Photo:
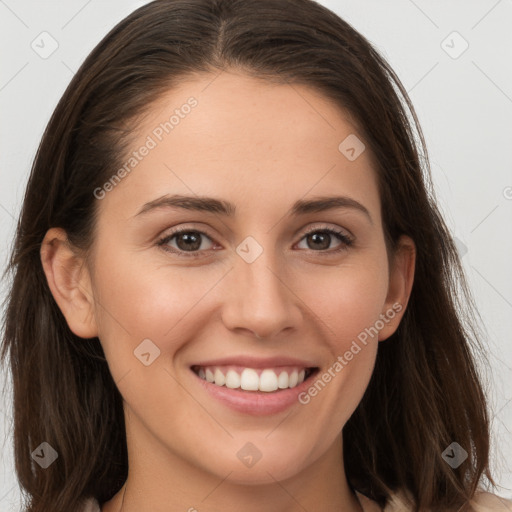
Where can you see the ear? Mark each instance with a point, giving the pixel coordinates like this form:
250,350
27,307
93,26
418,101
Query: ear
401,278
69,282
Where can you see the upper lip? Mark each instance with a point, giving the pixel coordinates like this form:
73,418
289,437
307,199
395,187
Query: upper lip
257,362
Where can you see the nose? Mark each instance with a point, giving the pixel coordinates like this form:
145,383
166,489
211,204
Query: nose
258,298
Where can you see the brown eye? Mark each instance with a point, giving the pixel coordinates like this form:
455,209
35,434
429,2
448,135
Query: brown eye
185,241
321,239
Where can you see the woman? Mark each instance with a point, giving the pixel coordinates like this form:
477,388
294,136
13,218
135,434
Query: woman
178,341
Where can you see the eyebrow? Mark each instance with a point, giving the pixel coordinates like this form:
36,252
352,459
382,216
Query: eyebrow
218,206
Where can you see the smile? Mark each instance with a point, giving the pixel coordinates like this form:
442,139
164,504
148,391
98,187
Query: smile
258,386
267,380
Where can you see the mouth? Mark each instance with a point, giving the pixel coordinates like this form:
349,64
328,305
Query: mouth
257,386
264,380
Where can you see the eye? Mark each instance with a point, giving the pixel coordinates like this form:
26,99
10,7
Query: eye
186,240
320,239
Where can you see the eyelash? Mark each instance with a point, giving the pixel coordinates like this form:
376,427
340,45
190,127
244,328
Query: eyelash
342,237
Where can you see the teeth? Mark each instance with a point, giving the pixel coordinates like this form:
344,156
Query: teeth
283,380
232,379
249,379
220,380
268,380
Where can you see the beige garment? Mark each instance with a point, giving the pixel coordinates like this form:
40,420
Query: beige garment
483,502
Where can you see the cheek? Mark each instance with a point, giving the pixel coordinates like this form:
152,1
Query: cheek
137,301
347,299
140,302
349,306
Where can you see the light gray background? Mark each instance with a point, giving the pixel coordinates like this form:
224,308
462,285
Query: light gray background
464,103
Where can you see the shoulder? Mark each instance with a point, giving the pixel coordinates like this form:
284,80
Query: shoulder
488,502
401,501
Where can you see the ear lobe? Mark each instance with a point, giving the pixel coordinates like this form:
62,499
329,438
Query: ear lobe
69,282
401,279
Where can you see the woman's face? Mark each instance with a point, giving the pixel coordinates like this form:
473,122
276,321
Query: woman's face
242,167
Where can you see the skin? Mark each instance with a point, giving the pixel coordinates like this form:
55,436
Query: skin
261,147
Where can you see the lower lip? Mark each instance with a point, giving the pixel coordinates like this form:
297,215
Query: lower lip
257,403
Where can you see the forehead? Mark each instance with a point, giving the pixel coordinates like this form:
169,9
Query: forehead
240,137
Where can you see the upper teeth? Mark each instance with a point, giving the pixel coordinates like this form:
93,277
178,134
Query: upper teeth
251,379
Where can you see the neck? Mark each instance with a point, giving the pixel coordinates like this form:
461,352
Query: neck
159,480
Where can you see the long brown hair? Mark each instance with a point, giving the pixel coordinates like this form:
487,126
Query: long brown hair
425,392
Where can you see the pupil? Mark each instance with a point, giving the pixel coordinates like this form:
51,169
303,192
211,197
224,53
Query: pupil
319,237
187,238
